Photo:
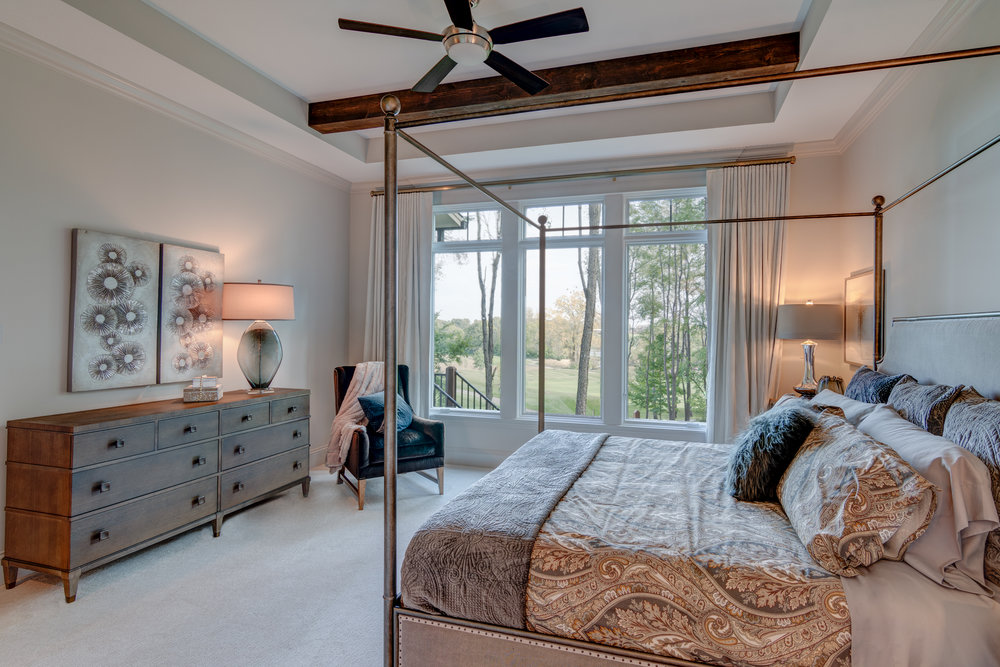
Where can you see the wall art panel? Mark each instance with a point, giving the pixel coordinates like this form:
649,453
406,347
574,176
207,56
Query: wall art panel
113,310
190,313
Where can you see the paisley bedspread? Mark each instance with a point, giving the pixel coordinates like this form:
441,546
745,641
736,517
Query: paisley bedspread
647,551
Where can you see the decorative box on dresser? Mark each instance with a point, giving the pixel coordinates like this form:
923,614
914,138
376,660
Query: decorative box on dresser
86,488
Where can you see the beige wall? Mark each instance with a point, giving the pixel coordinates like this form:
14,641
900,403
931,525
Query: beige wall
74,155
941,245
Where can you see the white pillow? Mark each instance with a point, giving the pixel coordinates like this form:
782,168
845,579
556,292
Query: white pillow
951,552
854,411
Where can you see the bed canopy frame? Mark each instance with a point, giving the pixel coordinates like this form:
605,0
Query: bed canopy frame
393,129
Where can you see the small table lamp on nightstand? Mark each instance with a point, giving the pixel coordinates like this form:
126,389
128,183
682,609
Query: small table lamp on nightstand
805,321
259,353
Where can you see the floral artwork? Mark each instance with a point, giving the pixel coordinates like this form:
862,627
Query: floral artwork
190,314
859,313
113,311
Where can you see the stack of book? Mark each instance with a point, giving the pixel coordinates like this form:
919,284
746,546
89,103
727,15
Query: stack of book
203,388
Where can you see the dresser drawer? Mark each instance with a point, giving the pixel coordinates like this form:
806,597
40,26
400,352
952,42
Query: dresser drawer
117,482
246,417
259,444
189,428
286,409
106,532
248,482
115,443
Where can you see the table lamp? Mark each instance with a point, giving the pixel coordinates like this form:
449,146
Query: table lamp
259,353
805,321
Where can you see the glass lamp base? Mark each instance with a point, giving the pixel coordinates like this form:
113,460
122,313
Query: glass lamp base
259,356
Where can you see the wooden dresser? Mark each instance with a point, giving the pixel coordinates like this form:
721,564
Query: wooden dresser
86,488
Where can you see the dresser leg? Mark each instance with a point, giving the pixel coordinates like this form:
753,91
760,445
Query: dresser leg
70,581
217,525
9,574
305,487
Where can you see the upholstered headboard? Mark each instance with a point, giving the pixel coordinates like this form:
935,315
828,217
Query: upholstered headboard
947,349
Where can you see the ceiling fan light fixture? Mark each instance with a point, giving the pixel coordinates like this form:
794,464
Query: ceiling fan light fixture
467,47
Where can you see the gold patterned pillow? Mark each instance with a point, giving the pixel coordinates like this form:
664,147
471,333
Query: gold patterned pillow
852,500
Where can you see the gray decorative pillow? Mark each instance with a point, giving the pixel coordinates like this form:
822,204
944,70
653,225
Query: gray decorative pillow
923,404
871,386
764,449
974,423
853,501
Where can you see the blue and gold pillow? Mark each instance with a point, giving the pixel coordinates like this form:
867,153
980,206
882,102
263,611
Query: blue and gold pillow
871,386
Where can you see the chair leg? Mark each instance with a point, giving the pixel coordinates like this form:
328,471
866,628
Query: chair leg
361,494
440,472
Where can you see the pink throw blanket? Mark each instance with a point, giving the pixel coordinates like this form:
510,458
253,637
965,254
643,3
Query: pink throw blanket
369,377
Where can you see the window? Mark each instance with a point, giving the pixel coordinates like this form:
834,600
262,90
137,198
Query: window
651,367
467,300
667,329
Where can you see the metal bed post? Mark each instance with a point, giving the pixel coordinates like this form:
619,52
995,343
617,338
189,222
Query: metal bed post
542,227
390,106
878,351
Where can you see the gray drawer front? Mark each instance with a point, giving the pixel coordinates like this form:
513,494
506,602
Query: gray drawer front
137,477
106,532
115,443
245,417
286,409
255,445
248,482
186,429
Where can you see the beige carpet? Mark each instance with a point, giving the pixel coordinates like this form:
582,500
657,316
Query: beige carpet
291,581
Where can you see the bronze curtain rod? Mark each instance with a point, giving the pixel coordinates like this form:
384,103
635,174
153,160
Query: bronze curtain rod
592,175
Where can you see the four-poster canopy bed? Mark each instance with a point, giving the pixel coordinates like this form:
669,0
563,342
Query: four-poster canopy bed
424,636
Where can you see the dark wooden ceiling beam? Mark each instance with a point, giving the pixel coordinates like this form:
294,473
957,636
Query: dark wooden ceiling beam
604,80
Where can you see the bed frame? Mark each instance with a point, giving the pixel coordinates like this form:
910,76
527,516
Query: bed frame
921,346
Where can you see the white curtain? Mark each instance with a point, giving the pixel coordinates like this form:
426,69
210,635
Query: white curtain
415,223
745,273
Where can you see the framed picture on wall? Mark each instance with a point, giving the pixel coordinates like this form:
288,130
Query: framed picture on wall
190,313
113,305
859,317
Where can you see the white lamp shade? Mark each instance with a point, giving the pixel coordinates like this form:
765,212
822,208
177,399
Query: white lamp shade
802,321
257,301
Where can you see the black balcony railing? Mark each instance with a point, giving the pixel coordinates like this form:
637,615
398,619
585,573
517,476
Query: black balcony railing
452,390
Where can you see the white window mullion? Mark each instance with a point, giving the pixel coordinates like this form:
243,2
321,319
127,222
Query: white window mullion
510,317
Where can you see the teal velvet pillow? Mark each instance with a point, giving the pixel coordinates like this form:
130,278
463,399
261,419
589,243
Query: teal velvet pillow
374,409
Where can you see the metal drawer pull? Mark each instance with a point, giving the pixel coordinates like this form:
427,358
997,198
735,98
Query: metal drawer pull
116,444
248,418
200,500
200,461
237,487
191,429
240,450
296,465
293,408
296,434
101,536
102,487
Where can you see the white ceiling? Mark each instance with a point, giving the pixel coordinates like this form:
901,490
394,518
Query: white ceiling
248,68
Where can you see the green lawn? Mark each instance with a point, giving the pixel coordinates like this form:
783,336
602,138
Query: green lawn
560,387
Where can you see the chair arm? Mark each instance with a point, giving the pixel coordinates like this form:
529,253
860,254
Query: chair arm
361,441
433,429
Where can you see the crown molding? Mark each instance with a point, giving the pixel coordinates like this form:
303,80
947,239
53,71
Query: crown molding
36,50
947,22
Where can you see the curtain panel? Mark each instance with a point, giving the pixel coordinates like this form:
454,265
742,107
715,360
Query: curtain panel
745,272
415,222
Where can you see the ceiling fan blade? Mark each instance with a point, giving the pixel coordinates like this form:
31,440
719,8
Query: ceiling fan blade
560,23
460,12
437,74
378,28
525,80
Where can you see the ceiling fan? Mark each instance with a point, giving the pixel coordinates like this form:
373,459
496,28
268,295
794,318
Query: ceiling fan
468,43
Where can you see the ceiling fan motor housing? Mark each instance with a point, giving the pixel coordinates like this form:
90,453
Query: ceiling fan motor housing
467,47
